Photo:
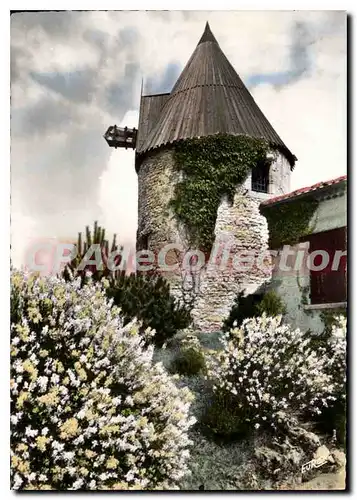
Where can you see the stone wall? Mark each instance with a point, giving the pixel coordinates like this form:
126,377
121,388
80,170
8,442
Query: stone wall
157,223
239,228
279,177
156,181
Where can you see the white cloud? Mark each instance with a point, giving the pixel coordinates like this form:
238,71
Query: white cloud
118,191
310,116
23,232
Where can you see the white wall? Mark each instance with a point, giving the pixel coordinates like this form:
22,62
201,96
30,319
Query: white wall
279,178
293,286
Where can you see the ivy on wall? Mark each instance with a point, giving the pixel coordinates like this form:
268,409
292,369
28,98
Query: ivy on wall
212,166
305,295
288,222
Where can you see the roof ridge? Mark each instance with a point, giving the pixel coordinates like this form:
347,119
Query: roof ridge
305,190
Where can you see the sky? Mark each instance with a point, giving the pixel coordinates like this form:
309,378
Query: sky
73,74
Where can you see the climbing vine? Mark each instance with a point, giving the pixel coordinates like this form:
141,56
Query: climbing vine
288,222
212,166
305,295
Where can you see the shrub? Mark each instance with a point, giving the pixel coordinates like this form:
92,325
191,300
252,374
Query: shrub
89,410
190,359
148,298
336,350
145,297
333,418
332,318
223,418
267,368
99,269
252,306
243,307
271,304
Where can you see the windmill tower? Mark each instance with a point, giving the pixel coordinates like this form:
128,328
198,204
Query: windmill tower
208,98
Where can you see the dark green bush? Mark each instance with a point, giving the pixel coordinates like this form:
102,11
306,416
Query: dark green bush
222,420
333,419
271,304
252,306
188,362
95,237
146,297
243,307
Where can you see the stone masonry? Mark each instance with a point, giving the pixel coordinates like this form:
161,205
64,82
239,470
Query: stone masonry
239,228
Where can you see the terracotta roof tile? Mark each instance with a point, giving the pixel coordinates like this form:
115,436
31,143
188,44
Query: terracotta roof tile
304,190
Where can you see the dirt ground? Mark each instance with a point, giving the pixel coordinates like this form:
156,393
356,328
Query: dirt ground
327,481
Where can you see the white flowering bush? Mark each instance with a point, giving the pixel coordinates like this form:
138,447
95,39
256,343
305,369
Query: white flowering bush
267,369
333,418
336,350
89,409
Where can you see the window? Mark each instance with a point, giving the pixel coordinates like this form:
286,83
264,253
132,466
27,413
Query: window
329,284
260,177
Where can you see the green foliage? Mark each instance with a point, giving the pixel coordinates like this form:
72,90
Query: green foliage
148,298
97,237
305,291
145,297
333,418
271,304
330,318
222,420
188,362
252,306
190,359
243,307
288,222
212,166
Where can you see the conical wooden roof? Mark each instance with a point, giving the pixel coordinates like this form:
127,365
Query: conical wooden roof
209,98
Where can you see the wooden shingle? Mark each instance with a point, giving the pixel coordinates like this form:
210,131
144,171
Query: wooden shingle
208,98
